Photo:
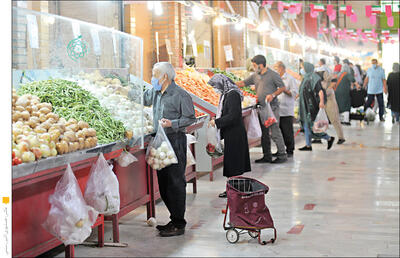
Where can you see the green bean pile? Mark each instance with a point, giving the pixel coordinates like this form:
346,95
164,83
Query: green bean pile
69,100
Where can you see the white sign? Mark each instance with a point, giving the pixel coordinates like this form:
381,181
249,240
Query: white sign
193,42
76,30
158,52
228,53
184,47
114,43
96,42
33,31
168,45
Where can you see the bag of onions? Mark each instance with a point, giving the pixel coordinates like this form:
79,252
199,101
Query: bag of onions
321,122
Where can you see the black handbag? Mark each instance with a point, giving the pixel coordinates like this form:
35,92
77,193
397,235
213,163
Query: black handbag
358,97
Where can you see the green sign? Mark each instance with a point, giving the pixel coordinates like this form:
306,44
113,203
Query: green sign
77,48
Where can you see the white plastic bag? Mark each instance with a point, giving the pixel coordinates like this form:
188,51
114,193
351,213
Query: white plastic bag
252,124
190,161
125,159
370,114
160,153
70,219
102,189
321,122
213,148
268,115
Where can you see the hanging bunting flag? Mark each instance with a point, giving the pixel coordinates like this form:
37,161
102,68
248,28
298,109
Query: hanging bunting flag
359,31
376,9
321,30
348,10
298,8
292,8
363,35
368,11
314,14
392,41
353,18
326,30
385,32
332,17
270,2
372,19
342,9
286,6
319,8
280,7
390,21
388,9
329,9
368,31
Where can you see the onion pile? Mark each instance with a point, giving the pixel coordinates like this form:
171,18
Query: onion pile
161,157
39,133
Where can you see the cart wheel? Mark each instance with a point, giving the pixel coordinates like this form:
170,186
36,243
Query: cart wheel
232,236
253,234
272,240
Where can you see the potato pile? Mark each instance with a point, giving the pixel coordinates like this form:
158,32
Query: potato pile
38,132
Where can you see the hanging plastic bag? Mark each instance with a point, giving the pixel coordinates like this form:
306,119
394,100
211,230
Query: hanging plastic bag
252,124
125,159
102,189
213,148
160,153
190,161
70,219
268,115
321,122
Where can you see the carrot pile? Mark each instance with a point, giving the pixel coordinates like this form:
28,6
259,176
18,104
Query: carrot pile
196,83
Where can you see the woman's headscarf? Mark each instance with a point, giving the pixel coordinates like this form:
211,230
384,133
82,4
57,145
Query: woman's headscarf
345,68
396,67
310,75
224,84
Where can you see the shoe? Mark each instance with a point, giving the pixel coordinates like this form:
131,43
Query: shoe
330,142
289,154
347,123
341,141
164,227
172,231
263,160
222,195
392,120
306,148
275,154
279,160
317,141
382,119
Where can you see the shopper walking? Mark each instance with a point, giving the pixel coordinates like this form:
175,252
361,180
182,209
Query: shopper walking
342,93
393,84
286,107
229,121
331,107
312,98
173,107
323,67
268,85
338,66
376,85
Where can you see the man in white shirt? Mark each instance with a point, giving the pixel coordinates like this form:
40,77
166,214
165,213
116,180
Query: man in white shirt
323,67
287,102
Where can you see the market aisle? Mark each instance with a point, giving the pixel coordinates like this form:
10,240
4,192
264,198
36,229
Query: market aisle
351,193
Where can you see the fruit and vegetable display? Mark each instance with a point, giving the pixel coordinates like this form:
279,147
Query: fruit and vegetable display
196,83
38,133
160,153
241,74
248,90
74,104
198,113
112,95
230,75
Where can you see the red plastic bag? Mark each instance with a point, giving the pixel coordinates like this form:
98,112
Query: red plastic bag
268,115
213,148
70,219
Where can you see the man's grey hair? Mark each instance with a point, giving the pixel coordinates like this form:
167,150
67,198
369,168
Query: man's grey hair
165,68
281,64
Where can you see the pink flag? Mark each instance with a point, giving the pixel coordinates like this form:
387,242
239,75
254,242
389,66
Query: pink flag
348,10
372,19
353,18
329,9
368,10
332,17
359,31
298,8
270,2
388,9
292,9
311,8
390,21
392,41
386,41
314,14
363,36
280,7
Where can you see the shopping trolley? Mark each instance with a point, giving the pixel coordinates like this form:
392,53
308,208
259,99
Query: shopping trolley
247,210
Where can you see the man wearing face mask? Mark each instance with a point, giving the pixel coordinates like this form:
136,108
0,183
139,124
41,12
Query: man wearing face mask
268,85
376,82
173,107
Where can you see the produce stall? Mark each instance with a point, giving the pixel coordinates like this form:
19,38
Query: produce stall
58,120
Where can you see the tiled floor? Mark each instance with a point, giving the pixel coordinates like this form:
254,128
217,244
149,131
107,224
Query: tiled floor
354,188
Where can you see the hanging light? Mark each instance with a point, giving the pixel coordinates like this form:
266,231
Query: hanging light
158,8
275,34
220,20
197,12
239,25
264,26
150,5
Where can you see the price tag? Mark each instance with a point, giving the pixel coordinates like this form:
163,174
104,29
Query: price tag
168,45
76,29
184,46
33,31
157,48
96,42
228,53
